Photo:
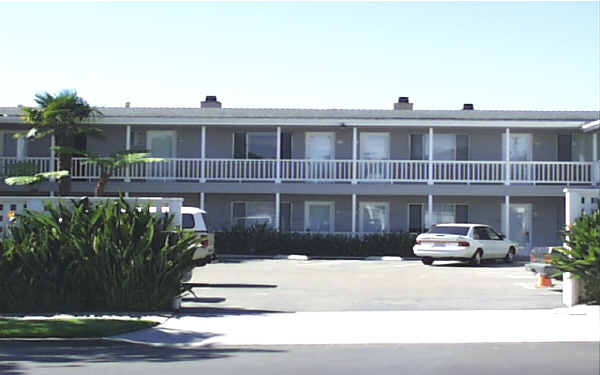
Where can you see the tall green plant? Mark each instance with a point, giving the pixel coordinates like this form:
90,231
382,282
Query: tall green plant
82,257
581,255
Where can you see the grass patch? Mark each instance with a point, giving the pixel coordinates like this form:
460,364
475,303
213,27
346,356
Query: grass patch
69,328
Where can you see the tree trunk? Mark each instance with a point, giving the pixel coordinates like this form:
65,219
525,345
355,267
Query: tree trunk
64,163
101,184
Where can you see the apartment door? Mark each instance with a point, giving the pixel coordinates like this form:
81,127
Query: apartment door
162,144
320,147
520,223
374,147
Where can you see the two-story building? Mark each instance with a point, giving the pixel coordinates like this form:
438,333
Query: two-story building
339,170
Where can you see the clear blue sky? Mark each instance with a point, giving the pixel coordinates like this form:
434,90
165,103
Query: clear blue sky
307,55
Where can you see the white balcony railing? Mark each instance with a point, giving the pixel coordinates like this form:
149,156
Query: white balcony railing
299,170
31,164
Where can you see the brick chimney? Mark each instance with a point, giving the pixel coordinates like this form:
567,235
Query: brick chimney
403,104
210,102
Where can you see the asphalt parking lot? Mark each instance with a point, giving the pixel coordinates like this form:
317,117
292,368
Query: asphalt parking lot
360,285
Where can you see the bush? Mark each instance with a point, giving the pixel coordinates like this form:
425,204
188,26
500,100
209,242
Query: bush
581,256
263,240
110,256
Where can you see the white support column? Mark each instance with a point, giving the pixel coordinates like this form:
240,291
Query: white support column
353,213
354,154
127,148
429,222
278,165
202,201
507,216
277,206
595,166
430,165
21,148
507,156
203,156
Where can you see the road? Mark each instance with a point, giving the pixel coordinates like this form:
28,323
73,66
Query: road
106,358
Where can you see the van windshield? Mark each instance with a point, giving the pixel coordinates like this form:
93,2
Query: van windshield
461,231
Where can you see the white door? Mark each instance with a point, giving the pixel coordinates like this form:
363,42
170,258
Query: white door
374,217
161,144
374,147
319,216
520,224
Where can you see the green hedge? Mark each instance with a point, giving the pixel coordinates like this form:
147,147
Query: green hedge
263,240
109,256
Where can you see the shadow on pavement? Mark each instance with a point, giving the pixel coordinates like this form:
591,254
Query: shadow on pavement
213,312
484,264
204,299
79,352
204,285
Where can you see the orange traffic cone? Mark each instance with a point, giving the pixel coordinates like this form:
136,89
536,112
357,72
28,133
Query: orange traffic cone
543,281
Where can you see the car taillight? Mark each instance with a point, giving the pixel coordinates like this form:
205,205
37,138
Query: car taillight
418,242
464,243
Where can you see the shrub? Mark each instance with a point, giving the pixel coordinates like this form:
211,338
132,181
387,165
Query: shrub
581,256
263,240
109,256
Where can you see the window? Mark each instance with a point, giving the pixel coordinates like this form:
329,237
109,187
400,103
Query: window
374,217
445,147
521,146
248,214
319,217
261,145
461,231
492,234
187,221
161,143
8,145
481,233
574,147
444,213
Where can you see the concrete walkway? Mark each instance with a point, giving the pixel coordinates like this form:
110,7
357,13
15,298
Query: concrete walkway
577,324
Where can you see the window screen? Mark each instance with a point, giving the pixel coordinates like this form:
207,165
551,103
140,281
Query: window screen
461,214
416,147
564,147
415,218
462,147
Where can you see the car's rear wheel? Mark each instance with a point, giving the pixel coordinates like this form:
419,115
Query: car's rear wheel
427,261
510,256
476,258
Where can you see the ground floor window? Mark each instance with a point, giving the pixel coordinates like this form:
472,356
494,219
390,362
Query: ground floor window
319,216
442,213
252,213
374,217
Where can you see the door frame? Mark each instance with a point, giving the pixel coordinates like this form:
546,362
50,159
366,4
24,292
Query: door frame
361,215
331,205
529,219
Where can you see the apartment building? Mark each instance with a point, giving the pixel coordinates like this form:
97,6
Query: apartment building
341,170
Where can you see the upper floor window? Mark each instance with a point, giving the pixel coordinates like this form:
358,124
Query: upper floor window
445,147
8,145
260,145
574,147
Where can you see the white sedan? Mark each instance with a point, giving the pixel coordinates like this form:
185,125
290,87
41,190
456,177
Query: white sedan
467,242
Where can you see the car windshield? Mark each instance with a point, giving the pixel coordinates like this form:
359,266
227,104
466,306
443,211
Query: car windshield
462,231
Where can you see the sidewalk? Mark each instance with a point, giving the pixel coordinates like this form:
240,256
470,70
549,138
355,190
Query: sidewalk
578,324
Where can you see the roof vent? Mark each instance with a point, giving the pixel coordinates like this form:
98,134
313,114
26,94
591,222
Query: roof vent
468,107
210,102
403,104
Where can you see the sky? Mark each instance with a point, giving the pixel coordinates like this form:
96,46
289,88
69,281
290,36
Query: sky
510,55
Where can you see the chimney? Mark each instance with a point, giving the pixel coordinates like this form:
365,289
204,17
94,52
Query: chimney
210,102
468,107
127,104
403,104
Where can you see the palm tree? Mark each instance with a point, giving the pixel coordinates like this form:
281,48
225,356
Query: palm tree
63,116
108,165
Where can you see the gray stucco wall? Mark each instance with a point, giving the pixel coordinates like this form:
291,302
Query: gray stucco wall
113,141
